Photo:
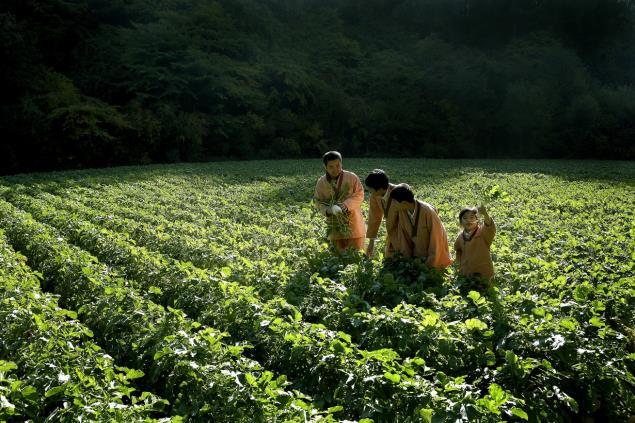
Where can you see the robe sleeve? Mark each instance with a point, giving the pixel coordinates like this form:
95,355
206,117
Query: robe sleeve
438,250
488,232
375,214
458,249
356,197
320,197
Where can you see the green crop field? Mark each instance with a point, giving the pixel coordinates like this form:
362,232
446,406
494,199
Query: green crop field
207,292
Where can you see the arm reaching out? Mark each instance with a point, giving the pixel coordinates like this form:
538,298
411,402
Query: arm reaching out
489,229
319,200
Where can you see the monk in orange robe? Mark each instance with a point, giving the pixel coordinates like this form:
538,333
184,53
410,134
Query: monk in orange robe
472,245
420,232
380,206
339,196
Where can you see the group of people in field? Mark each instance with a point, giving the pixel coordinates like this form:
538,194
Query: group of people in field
413,227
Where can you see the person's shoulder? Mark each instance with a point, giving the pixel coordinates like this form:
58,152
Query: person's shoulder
321,179
427,206
350,174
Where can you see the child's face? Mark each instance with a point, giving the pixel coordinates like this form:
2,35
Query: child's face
469,221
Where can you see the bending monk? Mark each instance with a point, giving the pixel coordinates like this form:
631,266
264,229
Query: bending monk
380,206
420,231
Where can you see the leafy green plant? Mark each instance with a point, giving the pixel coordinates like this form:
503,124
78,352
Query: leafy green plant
551,340
64,374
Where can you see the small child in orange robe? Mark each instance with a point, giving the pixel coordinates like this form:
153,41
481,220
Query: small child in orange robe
473,244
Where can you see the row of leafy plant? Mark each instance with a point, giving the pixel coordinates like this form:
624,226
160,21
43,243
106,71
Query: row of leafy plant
335,304
211,242
368,383
564,310
218,233
189,364
339,302
618,380
56,372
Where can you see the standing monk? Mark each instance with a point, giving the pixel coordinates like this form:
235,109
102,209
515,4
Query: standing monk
339,196
420,231
379,205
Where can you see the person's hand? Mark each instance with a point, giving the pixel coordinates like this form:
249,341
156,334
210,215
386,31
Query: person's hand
483,212
335,209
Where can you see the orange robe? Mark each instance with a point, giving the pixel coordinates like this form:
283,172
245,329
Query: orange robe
378,207
474,256
422,234
348,189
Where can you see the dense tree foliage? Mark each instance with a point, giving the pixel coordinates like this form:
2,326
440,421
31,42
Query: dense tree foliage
103,82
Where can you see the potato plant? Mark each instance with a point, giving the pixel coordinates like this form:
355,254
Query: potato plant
57,372
237,247
309,353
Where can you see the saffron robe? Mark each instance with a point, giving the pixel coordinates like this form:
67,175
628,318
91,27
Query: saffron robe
348,188
473,256
378,208
422,234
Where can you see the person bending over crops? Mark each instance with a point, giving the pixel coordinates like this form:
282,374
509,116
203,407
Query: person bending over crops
339,196
472,245
420,232
379,206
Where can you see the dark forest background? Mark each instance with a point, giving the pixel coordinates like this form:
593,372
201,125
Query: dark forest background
90,83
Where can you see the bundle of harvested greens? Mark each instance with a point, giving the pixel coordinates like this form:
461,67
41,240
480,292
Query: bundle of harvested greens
337,224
